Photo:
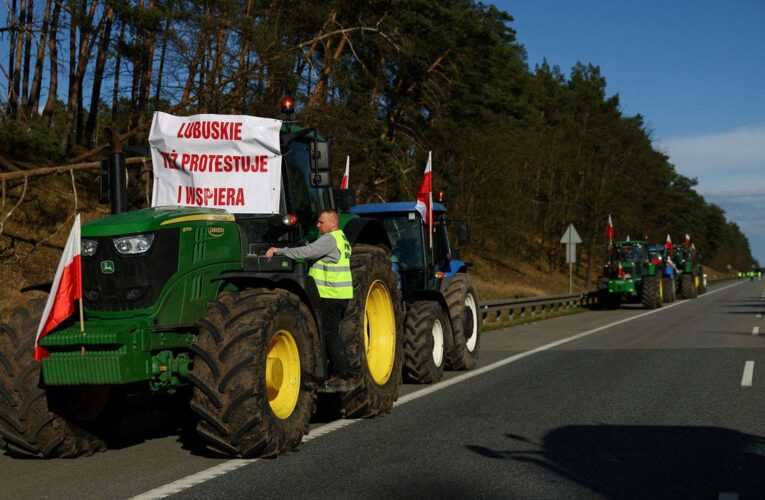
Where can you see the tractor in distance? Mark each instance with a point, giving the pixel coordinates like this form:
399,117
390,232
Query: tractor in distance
630,276
661,256
441,326
180,302
691,281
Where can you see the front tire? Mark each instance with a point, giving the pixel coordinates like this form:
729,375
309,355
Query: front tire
253,373
426,329
462,299
669,289
28,426
373,334
651,294
687,288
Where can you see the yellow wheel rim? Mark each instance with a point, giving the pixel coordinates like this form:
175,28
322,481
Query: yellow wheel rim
379,332
661,290
696,281
283,374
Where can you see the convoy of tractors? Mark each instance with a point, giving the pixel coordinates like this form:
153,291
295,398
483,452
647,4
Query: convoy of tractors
181,308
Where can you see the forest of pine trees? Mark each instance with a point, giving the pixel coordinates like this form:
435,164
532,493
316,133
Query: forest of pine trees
520,152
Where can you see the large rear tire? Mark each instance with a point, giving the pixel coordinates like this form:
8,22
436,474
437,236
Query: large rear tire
254,360
462,299
373,333
426,329
651,294
687,289
669,289
27,425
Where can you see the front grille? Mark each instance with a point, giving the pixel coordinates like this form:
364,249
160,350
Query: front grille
137,280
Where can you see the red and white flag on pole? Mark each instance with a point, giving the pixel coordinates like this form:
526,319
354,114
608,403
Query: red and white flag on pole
425,193
668,246
67,287
346,175
687,240
610,230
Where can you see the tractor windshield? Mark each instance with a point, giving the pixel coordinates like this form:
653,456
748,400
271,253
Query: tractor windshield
631,253
405,235
305,201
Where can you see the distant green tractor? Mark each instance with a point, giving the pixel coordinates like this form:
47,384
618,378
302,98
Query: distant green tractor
691,279
630,276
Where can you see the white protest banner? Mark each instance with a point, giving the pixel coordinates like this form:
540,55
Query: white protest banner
219,161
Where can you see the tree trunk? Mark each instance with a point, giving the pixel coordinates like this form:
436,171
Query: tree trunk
77,73
50,103
13,30
34,93
27,54
98,75
161,69
13,97
147,66
117,66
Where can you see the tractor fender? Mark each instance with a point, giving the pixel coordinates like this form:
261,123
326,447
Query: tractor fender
455,266
366,230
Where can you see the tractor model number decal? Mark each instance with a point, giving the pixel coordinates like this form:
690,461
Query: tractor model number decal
215,232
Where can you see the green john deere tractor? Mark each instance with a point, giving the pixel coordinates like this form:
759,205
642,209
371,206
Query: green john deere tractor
630,276
691,281
181,302
441,326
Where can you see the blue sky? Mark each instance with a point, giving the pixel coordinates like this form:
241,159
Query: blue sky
695,70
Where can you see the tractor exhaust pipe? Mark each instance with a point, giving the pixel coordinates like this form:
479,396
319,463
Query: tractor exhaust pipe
112,186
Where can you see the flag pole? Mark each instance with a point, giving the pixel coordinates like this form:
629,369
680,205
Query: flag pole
430,200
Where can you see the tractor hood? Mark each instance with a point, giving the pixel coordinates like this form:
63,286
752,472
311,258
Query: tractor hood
152,219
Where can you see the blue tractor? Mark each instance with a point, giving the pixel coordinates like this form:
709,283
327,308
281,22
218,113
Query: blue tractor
440,300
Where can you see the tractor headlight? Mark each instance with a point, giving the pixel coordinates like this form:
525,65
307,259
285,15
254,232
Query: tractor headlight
134,245
88,247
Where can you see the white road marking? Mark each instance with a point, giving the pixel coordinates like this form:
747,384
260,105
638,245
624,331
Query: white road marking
746,378
221,469
727,495
756,330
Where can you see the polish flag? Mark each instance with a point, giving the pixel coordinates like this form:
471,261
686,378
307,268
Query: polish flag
687,240
346,176
610,229
668,245
67,287
425,194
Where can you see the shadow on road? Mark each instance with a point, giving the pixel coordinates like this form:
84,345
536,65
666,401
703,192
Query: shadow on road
647,461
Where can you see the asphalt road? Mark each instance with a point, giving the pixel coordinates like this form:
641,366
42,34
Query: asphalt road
605,404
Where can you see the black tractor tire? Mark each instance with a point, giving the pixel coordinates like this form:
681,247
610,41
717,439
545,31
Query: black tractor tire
702,288
28,425
254,361
687,286
462,299
373,333
426,330
651,293
669,289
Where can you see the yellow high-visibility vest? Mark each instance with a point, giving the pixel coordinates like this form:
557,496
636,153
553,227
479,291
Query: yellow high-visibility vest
334,280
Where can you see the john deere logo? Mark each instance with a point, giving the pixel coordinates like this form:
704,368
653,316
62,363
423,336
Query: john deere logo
107,267
215,231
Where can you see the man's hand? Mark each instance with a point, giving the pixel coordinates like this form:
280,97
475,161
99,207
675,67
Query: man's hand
271,252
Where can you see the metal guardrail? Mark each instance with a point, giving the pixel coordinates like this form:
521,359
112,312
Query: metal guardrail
506,310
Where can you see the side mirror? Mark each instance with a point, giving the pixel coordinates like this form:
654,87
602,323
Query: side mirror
320,156
463,234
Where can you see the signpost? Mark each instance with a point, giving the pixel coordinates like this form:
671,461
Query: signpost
570,239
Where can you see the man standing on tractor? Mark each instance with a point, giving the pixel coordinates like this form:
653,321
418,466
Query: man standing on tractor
332,273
